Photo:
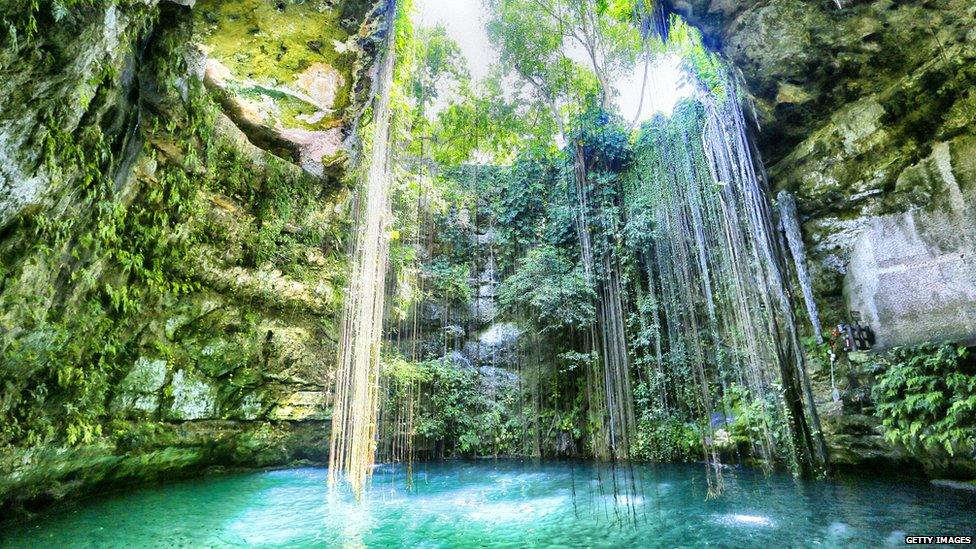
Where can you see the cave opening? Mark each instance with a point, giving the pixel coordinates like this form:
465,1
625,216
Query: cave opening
604,269
479,272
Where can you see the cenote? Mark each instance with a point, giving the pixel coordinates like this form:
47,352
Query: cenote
479,273
508,504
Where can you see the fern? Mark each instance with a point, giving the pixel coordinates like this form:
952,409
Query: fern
926,399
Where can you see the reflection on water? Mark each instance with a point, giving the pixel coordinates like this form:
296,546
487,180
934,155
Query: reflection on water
509,503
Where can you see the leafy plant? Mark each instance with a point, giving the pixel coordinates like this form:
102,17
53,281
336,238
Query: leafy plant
454,411
555,290
448,282
666,439
926,398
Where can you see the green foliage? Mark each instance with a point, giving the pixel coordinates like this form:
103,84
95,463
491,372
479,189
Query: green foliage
281,198
531,45
481,121
662,436
524,205
926,398
451,411
439,59
532,199
601,139
753,417
457,412
552,289
447,282
109,258
686,41
535,38
662,439
600,154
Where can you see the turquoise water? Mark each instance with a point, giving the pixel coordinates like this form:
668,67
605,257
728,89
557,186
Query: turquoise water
509,504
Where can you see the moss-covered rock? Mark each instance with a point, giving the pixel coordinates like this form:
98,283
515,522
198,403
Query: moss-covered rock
169,288
282,71
300,406
139,391
866,113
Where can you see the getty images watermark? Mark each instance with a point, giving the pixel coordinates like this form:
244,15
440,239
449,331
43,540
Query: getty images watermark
938,540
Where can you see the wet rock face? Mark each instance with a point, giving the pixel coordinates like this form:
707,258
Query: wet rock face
867,114
139,390
912,275
484,307
167,277
193,397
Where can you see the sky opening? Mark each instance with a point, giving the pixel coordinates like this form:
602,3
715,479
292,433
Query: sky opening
465,20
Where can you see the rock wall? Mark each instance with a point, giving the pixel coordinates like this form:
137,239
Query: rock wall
852,104
867,113
912,275
172,252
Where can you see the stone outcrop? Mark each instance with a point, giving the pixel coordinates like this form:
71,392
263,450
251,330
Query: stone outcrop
866,113
170,280
912,275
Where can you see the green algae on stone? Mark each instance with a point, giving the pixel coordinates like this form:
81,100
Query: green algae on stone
293,51
139,390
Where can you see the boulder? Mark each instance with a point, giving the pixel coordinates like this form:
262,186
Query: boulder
139,390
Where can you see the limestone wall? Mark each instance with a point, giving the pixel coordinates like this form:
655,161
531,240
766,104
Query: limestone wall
867,114
912,276
171,276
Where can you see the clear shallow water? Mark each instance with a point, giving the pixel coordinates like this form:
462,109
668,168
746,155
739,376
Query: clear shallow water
509,504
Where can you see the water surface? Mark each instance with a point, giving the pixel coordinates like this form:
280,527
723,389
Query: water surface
509,504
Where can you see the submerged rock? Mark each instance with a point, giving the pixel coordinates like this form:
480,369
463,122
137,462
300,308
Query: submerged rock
956,484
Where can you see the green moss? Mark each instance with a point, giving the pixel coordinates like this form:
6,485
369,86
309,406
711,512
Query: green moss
272,42
280,200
